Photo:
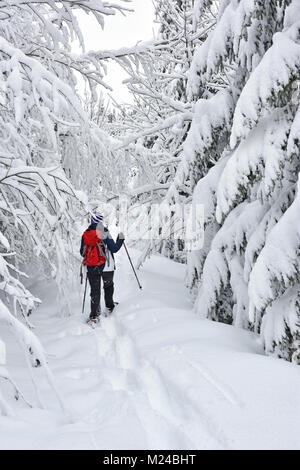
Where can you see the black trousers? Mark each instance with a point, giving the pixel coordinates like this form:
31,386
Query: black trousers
95,283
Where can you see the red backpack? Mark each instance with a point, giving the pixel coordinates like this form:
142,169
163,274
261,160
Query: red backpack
93,249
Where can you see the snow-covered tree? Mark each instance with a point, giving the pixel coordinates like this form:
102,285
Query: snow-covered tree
46,137
242,155
157,125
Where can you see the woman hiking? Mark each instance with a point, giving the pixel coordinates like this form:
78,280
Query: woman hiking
97,249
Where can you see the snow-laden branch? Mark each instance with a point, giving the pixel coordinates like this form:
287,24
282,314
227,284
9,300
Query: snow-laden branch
64,7
22,71
166,124
17,392
31,345
139,49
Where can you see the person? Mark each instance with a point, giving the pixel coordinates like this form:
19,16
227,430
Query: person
98,249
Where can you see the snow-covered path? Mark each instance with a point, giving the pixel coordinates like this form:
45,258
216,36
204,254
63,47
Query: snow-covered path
153,376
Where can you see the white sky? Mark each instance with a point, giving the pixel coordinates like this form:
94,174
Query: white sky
119,31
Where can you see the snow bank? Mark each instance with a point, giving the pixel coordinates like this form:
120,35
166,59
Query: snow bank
154,376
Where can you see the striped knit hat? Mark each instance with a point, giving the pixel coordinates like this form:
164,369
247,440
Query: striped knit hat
96,218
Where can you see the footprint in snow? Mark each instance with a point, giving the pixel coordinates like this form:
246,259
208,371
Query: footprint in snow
128,356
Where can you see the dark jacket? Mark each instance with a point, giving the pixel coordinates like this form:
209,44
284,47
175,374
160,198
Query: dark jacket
110,244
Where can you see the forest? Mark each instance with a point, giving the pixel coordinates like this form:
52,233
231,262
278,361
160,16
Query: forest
212,126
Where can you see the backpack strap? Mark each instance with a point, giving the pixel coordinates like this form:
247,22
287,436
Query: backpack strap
87,251
101,250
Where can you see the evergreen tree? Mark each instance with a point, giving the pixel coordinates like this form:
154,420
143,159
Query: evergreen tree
242,155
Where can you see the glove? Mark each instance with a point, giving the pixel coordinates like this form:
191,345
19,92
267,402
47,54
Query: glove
121,236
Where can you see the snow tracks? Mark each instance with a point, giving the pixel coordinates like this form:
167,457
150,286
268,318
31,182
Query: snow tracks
155,376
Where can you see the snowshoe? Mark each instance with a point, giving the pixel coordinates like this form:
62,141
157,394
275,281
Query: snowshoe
109,311
93,321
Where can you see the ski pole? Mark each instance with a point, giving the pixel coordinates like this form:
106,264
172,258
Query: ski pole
83,305
132,267
81,274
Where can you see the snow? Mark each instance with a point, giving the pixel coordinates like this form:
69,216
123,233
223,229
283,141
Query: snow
2,353
292,14
270,78
282,267
152,376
